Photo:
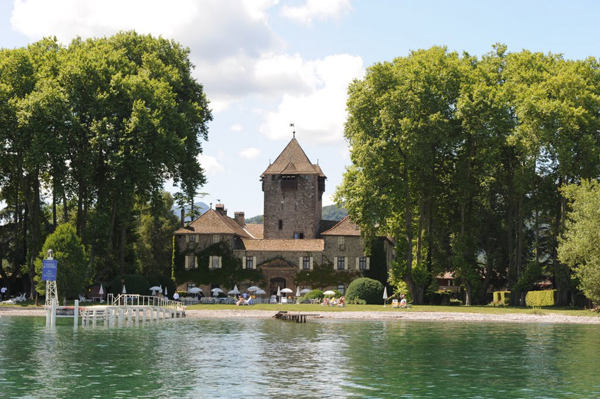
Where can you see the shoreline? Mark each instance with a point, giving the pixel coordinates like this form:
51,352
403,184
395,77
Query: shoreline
358,315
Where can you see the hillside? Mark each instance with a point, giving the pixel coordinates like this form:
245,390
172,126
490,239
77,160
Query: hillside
330,212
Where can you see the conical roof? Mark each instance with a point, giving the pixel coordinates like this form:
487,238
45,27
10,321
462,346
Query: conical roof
293,160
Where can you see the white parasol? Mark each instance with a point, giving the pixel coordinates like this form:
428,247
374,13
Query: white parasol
260,292
195,290
305,291
124,290
101,292
385,296
253,288
234,291
329,292
298,291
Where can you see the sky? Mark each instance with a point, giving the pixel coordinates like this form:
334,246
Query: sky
266,64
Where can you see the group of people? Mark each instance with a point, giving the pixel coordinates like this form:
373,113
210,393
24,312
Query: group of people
341,302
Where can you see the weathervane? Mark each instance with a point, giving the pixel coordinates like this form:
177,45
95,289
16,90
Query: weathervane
293,130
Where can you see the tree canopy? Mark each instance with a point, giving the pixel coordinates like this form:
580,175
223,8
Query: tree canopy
461,159
90,130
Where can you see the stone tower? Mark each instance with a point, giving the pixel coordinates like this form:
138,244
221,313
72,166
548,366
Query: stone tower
293,189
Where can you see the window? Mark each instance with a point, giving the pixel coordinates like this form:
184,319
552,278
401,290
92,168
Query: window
280,224
250,262
216,239
341,243
306,263
362,263
341,263
214,262
190,262
192,238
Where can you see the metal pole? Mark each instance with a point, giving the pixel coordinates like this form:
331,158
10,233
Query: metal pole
53,317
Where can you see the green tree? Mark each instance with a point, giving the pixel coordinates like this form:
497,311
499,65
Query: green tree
154,246
72,271
578,248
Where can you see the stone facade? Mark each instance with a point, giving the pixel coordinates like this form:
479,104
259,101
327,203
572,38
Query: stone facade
292,237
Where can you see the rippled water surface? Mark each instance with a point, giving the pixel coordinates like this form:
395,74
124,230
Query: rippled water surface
193,358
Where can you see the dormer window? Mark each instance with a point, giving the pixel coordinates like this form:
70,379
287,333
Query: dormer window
216,238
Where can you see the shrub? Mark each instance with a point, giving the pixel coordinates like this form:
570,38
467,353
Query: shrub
455,302
501,298
314,294
366,289
540,298
357,302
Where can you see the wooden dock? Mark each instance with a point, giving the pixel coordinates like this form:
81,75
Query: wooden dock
293,317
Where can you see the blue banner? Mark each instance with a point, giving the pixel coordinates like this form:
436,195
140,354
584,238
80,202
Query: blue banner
49,269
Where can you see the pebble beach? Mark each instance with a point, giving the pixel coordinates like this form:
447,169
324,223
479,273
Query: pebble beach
402,314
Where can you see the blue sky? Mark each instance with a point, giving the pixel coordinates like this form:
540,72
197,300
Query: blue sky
267,63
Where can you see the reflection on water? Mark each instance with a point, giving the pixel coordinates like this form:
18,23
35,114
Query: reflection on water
269,358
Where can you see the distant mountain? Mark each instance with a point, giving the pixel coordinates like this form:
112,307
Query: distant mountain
201,206
330,212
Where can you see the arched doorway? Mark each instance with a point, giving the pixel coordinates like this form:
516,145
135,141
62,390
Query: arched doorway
274,283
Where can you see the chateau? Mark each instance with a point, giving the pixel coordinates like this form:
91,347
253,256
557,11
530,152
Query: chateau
293,239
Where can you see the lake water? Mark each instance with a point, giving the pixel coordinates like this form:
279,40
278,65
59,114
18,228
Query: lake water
192,358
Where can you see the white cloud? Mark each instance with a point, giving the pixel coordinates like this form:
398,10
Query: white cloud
317,9
328,200
249,153
236,127
318,116
210,164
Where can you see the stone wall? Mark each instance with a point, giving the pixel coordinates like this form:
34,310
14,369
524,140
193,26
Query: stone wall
299,209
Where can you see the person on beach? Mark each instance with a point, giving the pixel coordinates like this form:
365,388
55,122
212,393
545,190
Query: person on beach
175,296
3,293
240,301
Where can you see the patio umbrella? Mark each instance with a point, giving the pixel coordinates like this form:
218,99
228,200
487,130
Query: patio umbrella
260,292
253,288
101,292
216,291
298,291
124,290
385,296
166,291
305,291
195,290
234,291
278,291
329,292
286,291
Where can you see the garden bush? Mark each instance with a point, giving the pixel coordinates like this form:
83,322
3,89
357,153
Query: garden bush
540,298
366,289
501,298
314,294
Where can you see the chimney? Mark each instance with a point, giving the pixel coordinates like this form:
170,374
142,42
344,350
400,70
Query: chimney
239,218
221,209
182,217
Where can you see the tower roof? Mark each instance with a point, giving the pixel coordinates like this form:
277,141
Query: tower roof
293,160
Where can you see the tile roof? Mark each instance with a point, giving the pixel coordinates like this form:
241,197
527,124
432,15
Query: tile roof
345,227
212,222
256,230
284,245
293,160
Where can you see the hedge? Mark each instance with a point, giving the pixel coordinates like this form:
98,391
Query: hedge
501,298
540,298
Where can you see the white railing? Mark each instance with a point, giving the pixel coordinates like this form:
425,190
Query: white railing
143,300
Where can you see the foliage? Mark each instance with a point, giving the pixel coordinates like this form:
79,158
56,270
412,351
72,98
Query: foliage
72,276
367,289
324,275
100,125
540,298
501,298
314,294
134,284
579,246
461,159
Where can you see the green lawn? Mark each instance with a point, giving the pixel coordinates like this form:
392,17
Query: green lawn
388,308
366,308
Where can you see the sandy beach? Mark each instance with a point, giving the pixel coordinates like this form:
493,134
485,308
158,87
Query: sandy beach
351,315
